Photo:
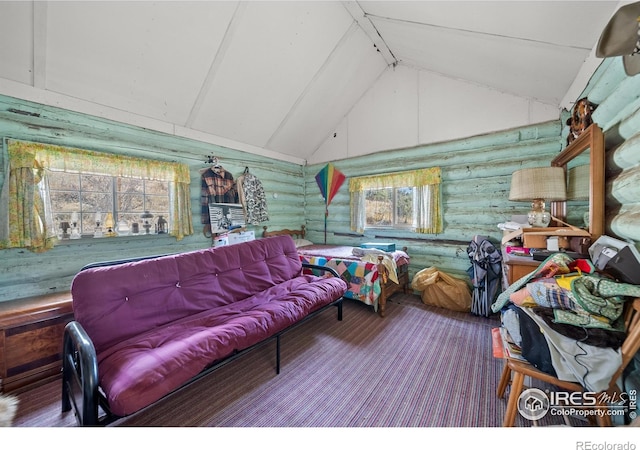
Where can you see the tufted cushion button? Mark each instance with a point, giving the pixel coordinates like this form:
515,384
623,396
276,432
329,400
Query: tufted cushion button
178,284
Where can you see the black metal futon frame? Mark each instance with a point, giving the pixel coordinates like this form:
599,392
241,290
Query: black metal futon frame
80,382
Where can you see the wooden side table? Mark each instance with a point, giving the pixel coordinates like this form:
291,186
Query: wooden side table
31,332
515,267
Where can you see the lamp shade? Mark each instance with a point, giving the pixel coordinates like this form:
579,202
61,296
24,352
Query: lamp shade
578,183
546,183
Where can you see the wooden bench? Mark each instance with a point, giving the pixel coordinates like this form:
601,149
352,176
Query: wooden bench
31,331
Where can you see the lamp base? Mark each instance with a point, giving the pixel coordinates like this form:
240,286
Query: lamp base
538,217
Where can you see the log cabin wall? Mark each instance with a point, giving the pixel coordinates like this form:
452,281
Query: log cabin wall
476,177
25,274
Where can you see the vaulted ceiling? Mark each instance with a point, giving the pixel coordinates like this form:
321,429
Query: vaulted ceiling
278,77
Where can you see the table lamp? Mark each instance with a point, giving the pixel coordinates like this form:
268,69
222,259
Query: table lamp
537,185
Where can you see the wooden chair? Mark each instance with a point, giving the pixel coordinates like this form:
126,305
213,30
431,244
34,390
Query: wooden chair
521,369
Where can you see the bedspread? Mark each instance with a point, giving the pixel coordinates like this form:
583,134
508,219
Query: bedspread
361,276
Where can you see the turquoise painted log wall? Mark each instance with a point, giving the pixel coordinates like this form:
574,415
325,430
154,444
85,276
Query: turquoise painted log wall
476,178
23,273
476,174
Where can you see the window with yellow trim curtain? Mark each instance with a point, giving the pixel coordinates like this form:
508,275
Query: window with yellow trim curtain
26,220
426,198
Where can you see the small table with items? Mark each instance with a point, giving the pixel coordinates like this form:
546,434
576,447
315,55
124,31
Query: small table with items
515,266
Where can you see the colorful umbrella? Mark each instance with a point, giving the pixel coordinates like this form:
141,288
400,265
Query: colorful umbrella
329,180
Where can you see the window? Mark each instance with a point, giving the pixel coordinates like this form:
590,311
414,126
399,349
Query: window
389,208
401,200
91,195
46,184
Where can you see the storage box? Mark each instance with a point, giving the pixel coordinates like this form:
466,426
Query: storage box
233,238
537,237
385,246
244,236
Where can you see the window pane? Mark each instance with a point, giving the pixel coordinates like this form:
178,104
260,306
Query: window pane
130,202
130,185
96,202
404,206
96,183
157,203
62,201
157,187
379,207
63,181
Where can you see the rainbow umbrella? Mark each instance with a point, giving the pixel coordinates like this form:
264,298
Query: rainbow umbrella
329,180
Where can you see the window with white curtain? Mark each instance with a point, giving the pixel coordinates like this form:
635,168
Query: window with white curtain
400,200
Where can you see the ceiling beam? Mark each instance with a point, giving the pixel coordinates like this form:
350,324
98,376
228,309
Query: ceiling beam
370,30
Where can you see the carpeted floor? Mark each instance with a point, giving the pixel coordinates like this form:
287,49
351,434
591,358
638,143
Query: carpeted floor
420,366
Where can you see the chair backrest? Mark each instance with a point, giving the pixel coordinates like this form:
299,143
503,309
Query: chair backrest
631,343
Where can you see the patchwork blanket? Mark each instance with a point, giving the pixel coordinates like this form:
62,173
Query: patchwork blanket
577,295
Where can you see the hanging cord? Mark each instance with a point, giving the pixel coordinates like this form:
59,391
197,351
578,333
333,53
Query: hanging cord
576,357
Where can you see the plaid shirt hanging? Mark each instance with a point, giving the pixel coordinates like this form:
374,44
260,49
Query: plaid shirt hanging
218,186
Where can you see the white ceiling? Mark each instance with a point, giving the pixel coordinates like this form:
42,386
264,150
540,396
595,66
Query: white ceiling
278,77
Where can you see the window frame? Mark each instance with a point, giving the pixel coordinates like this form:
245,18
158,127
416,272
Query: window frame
426,185
26,220
395,223
113,193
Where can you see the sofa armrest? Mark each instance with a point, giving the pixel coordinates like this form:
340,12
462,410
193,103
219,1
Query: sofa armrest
323,268
80,375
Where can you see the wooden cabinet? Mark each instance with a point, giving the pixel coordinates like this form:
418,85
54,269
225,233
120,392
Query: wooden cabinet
31,332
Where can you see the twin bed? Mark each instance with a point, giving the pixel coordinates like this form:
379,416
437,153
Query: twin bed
372,275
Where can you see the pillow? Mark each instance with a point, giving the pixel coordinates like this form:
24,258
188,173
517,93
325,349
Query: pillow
302,242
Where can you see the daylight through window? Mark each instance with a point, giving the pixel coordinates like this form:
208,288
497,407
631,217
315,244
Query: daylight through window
389,208
91,196
403,200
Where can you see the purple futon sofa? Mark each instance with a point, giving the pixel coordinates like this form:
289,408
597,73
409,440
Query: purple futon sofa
144,328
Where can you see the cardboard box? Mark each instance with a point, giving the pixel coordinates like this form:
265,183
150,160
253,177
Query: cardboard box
244,236
537,237
385,246
233,238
